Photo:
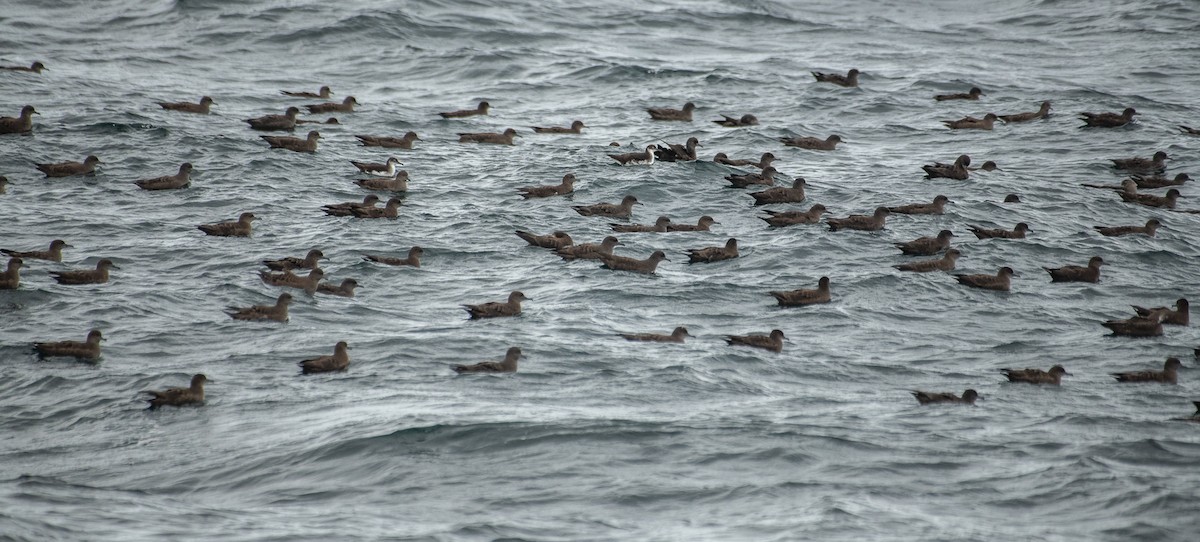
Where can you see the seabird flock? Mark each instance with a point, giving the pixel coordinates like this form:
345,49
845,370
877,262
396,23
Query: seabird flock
1145,173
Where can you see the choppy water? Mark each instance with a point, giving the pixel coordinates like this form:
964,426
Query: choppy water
595,438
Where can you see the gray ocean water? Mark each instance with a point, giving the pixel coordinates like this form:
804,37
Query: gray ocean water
595,438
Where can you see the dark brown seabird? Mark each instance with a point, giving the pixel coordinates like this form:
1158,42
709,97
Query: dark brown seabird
192,395
848,80
505,138
781,194
772,342
284,123
927,398
239,228
945,263
645,157
87,350
576,127
802,297
660,225
494,309
11,278
509,365
567,186
714,254
337,362
761,163
405,142
972,123
53,254
1001,281
1149,200
21,124
1018,232
556,240
347,106
169,182
99,275
1169,374
973,94
873,222
1027,116
308,144
346,208
936,208
1150,228
675,152
621,210
1189,130
957,171
324,93
396,183
1138,164
309,261
588,251
781,219
188,107
731,122
927,246
1155,181
330,120
69,169
1036,376
345,289
288,279
625,263
1108,120
1179,316
702,224
666,113
277,312
766,178
36,67
1076,273
482,109
676,336
390,210
413,259
812,143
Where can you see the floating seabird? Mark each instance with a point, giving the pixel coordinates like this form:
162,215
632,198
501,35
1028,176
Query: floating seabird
766,178
405,142
945,263
189,107
324,93
309,261
802,297
347,106
714,254
936,208
625,263
660,225
556,240
731,122
676,336
972,123
169,182
285,122
675,152
1164,202
1169,374
308,144
576,127
781,194
973,94
390,210
482,109
277,312
635,158
36,67
89,349
21,124
621,210
494,309
396,183
346,208
1138,326
588,251
345,289
772,342
1018,232
1143,181
1076,273
848,80
68,169
509,365
53,254
1137,164
99,275
413,259
566,187
1001,281
1179,316
927,398
385,169
11,278
957,171
812,143
193,395
239,228
505,138
1036,376
927,246
781,219
1108,120
761,163
666,113
1041,113
873,222
288,279
702,224
338,362
1115,231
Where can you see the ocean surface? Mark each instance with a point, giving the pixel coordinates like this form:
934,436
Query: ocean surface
595,438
